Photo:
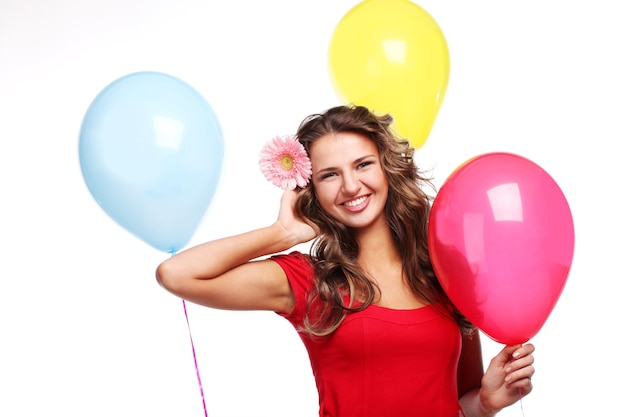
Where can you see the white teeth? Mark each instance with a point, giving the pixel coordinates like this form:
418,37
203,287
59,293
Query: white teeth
356,202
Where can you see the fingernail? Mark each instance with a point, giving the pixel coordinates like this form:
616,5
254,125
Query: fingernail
516,354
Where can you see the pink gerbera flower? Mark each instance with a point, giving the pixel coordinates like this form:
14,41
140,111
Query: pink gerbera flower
285,163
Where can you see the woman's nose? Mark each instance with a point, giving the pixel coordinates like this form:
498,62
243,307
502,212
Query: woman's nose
351,184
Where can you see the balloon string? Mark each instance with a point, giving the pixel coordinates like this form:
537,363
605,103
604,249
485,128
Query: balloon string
193,351
195,360
520,401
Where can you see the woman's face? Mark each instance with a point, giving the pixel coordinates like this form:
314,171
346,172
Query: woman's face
349,180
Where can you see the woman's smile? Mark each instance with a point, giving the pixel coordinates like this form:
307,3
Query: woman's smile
357,204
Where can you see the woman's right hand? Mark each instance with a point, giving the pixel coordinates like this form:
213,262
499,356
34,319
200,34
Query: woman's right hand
297,228
508,377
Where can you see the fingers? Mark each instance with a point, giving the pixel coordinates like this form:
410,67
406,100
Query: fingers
524,350
522,356
507,354
519,370
524,385
513,352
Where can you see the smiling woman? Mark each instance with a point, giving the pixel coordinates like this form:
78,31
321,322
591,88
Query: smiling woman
382,336
78,298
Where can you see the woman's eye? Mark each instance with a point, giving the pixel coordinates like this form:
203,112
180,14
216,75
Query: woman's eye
364,164
327,175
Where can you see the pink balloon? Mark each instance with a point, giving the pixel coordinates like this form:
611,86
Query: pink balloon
501,239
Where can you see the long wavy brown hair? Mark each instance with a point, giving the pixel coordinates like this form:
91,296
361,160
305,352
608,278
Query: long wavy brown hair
342,286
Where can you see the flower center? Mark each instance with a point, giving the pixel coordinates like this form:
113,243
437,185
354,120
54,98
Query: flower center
286,162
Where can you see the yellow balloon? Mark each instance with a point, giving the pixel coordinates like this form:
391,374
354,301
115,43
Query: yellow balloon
391,56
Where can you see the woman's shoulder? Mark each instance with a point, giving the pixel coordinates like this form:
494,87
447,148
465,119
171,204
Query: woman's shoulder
298,268
294,261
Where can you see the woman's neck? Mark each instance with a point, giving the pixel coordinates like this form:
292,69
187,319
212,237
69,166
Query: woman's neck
377,248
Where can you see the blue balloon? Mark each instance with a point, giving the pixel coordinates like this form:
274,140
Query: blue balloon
151,151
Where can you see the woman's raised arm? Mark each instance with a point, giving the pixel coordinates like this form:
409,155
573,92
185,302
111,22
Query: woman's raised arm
227,274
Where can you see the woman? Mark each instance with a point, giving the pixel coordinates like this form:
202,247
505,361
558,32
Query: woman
382,336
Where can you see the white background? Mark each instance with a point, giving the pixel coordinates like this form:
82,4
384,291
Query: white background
84,328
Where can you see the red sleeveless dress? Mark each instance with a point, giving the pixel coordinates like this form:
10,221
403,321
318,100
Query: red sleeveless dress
380,362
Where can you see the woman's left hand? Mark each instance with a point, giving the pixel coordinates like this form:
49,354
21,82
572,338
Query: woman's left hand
508,377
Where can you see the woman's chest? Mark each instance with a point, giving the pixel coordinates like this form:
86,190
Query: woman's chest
383,337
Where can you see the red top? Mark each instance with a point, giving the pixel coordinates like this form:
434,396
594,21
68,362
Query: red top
380,362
